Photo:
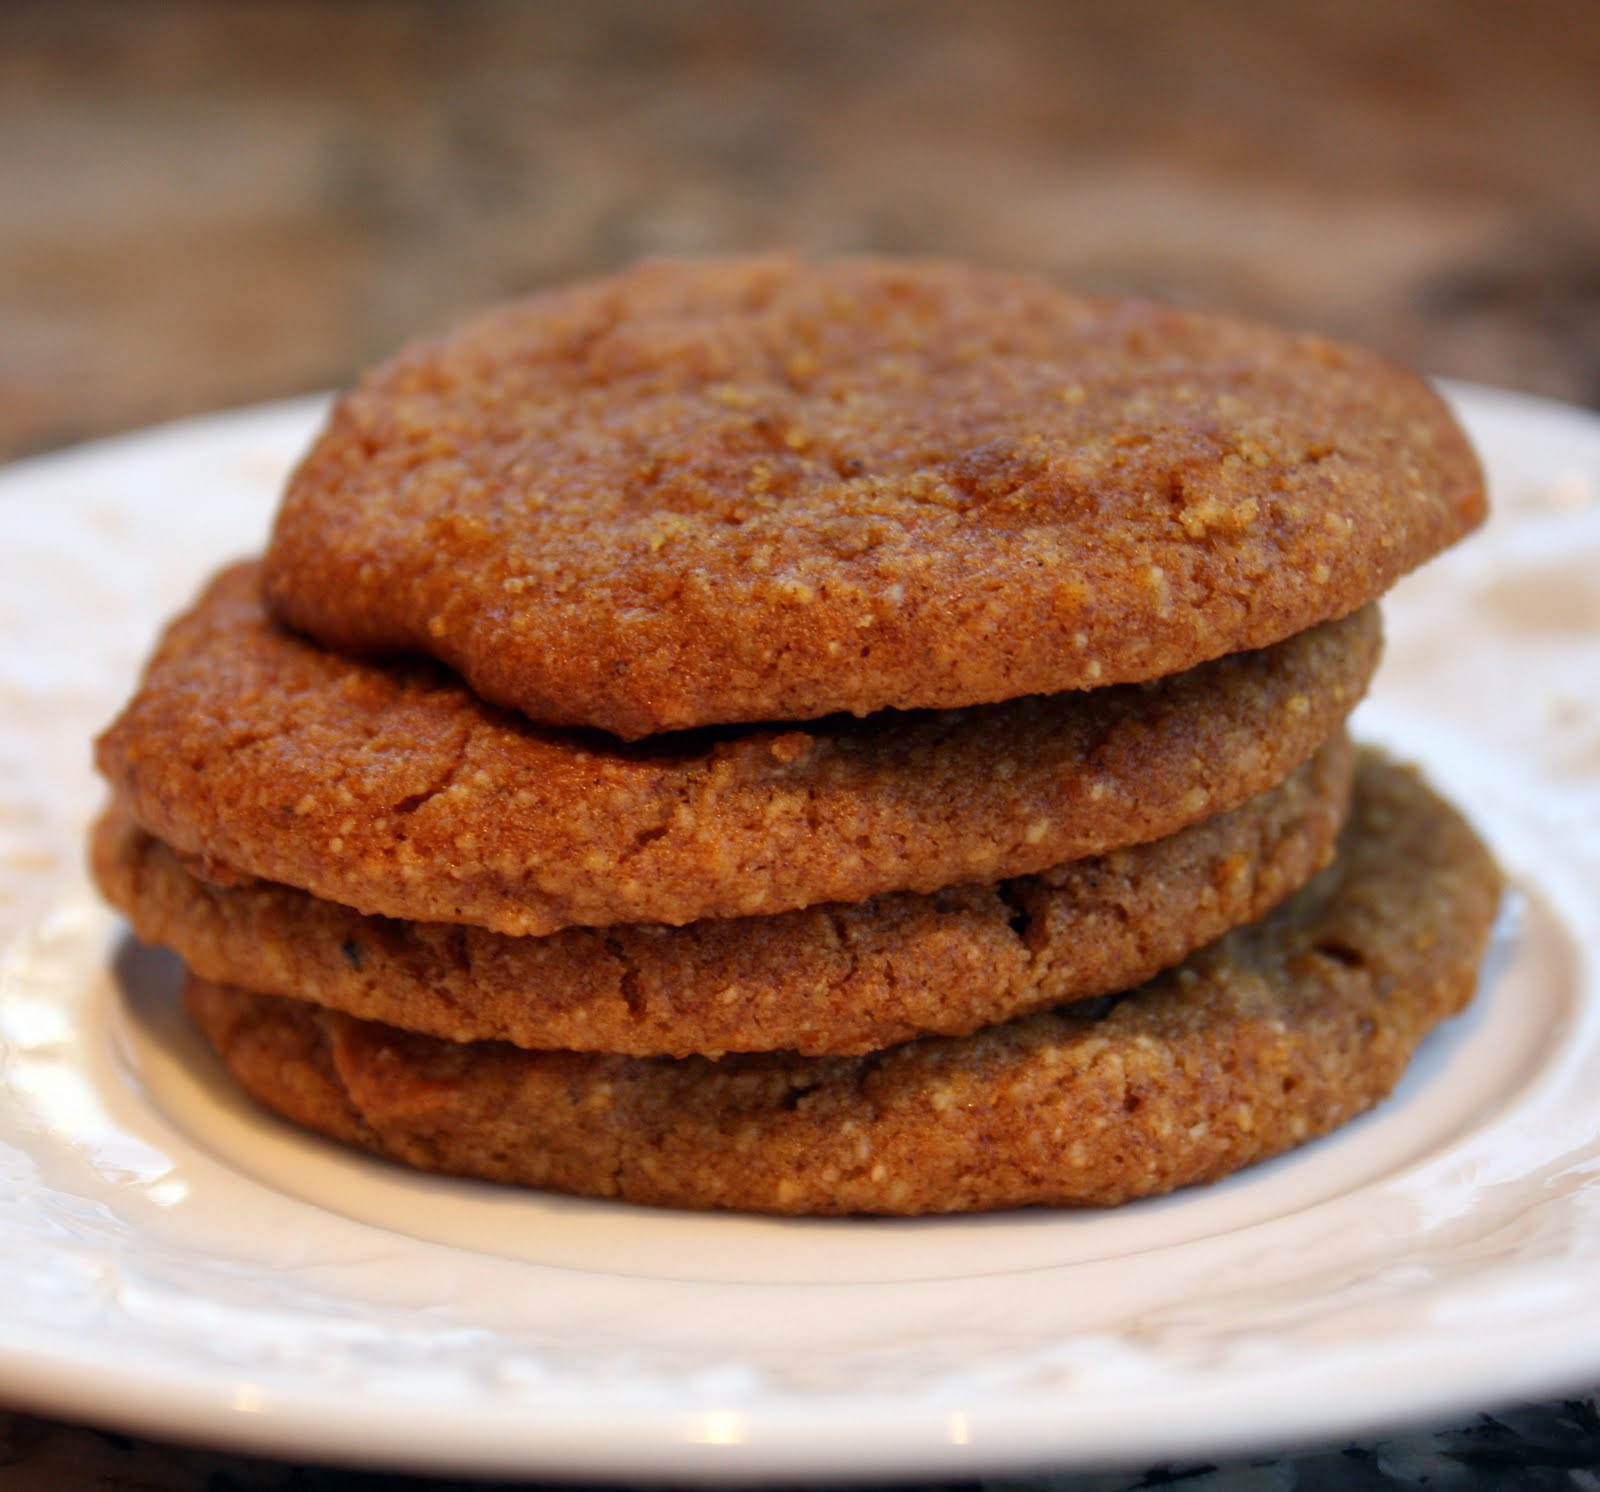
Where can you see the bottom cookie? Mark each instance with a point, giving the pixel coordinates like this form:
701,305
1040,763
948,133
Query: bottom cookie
1277,1033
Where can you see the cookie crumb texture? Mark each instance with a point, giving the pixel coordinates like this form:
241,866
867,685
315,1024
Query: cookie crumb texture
1275,1034
701,493
842,978
395,791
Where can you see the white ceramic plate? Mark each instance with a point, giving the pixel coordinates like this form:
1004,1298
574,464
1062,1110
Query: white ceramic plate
176,1264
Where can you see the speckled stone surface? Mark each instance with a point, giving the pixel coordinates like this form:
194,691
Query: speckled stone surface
1542,1448
202,211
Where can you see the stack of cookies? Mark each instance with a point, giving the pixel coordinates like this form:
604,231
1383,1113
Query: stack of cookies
816,739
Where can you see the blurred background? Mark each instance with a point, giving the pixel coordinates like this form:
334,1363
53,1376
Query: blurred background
209,204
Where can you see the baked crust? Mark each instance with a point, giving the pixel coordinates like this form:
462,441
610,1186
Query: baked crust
760,490
836,979
1278,1032
397,792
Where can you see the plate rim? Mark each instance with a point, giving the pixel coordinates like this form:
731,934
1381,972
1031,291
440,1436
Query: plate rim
778,1442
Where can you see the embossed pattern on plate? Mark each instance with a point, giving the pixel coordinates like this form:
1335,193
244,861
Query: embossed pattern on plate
182,1265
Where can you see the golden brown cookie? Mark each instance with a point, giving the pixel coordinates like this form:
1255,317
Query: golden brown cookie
396,791
1277,1033
841,978
765,490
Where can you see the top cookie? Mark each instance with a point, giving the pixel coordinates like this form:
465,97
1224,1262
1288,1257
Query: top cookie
765,490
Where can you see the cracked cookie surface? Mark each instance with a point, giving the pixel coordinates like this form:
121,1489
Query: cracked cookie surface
1277,1033
763,490
841,978
396,791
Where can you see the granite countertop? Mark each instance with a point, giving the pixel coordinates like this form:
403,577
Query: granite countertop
1548,1446
213,205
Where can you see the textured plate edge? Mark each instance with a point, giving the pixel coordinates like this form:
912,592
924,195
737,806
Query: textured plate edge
660,1458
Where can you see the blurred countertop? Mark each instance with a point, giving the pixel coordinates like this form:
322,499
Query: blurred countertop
208,205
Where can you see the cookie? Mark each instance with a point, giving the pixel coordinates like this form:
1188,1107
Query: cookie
843,978
1279,1032
764,490
397,792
